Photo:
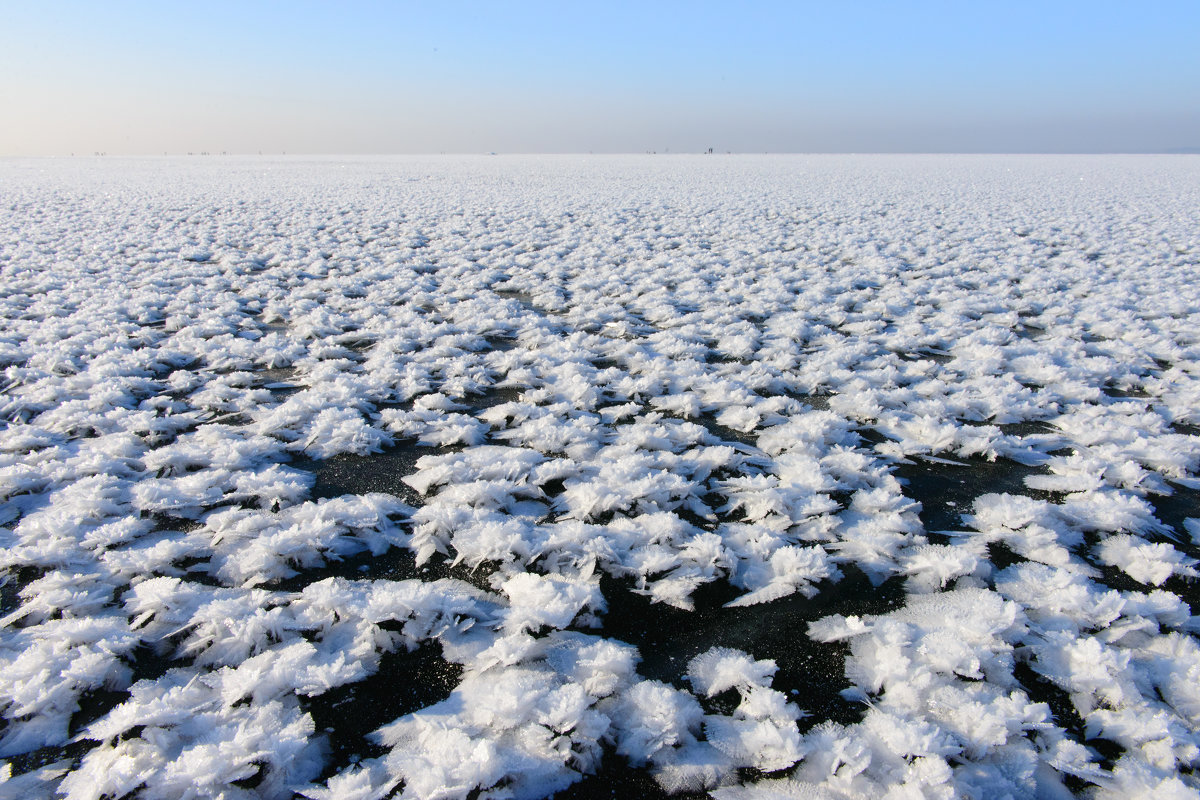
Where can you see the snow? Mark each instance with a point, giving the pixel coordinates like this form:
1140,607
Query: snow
268,427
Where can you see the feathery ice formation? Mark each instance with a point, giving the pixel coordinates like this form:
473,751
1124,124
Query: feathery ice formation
762,477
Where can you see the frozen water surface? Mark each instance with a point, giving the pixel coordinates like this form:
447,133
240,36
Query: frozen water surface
515,477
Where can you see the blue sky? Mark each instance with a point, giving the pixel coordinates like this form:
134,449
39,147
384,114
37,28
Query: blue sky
359,77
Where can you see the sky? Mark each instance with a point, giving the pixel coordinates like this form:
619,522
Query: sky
123,77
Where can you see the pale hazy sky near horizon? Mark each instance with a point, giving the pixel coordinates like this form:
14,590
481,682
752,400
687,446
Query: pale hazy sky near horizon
126,77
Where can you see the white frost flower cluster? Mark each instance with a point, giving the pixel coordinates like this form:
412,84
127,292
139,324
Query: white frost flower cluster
269,427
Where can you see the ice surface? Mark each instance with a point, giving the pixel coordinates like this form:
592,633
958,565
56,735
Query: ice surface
724,386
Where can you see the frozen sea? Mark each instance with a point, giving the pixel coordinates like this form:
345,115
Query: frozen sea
518,477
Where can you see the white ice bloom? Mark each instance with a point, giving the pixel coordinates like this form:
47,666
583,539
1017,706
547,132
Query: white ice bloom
1072,758
600,666
1012,769
183,496
37,784
625,482
597,373
1110,510
493,496
910,735
1047,545
46,668
1146,562
879,524
919,434
536,601
979,441
335,431
764,496
444,763
916,658
1172,663
1162,607
1085,666
273,487
764,703
165,603
652,717
484,463
65,594
1148,732
437,401
192,742
762,731
721,668
762,744
837,758
527,724
993,512
255,547
803,470
974,615
652,432
369,782
435,428
228,630
983,719
808,431
1134,779
932,566
1060,599
1100,466
684,404
787,570
739,418
48,534
299,668
836,627
575,436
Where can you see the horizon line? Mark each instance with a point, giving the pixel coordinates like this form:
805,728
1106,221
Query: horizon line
330,154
